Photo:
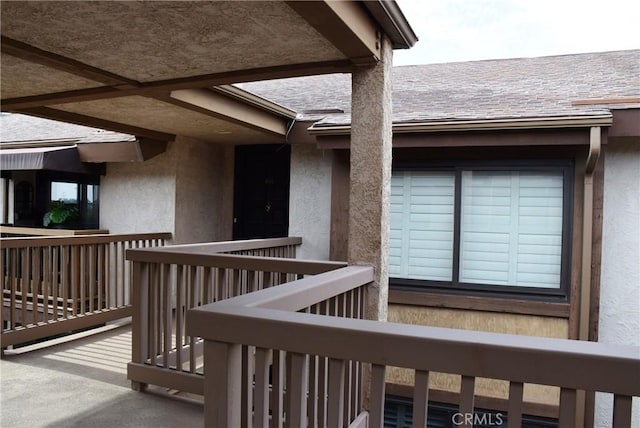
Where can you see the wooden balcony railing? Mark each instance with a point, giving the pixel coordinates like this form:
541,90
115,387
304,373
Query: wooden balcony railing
53,285
271,319
171,280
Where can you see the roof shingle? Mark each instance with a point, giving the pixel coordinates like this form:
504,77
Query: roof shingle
490,89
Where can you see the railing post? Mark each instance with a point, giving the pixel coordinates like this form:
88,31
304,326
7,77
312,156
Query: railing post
140,317
223,385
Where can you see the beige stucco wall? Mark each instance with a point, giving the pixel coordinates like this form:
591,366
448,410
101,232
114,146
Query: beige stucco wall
140,197
310,200
187,191
620,281
479,321
204,192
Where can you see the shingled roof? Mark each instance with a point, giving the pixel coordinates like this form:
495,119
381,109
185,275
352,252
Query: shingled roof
492,89
543,87
18,128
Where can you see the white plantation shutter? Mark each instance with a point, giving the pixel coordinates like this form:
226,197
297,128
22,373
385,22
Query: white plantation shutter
422,221
511,228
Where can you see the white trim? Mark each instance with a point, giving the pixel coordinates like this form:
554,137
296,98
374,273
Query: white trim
474,125
255,100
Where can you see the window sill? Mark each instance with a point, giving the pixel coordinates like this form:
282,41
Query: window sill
479,303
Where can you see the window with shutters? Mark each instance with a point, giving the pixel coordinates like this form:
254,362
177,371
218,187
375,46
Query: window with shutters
498,229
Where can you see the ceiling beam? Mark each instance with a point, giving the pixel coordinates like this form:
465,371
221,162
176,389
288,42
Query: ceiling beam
162,87
222,107
80,119
347,25
32,54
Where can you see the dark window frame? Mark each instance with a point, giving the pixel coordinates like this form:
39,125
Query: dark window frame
561,294
44,180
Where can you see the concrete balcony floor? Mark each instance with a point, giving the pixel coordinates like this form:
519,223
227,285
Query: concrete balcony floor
81,381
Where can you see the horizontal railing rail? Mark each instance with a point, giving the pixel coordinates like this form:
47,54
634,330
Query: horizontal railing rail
269,319
53,285
171,280
19,231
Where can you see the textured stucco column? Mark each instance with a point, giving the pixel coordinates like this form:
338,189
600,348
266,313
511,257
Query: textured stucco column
371,136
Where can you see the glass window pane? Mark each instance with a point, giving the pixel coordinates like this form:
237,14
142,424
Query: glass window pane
67,192
511,228
422,220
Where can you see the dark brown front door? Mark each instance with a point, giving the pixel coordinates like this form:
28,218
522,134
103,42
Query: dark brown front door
261,195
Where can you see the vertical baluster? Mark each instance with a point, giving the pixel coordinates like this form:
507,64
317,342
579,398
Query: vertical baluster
376,410
514,415
297,395
24,283
99,276
353,408
179,309
261,389
567,408
420,398
47,271
357,382
277,381
219,279
269,280
119,271
109,273
3,284
55,281
13,278
260,280
165,286
348,378
251,281
236,289
126,273
36,285
203,291
247,386
206,285
246,287
120,296
192,292
34,282
335,413
323,379
467,393
75,278
312,398
153,315
93,275
622,411
82,282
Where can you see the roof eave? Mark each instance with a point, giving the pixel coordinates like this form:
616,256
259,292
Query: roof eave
393,22
255,100
480,125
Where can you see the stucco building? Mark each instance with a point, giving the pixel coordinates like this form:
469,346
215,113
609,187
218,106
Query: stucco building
493,161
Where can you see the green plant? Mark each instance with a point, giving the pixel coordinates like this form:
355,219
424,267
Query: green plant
59,213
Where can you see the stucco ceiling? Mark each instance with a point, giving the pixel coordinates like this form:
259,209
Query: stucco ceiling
115,64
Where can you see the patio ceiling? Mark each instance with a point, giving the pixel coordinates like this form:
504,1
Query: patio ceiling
151,68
